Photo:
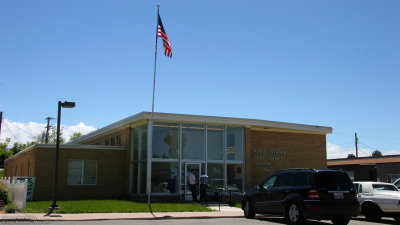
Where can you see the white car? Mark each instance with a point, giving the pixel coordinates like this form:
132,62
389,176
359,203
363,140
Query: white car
378,199
397,183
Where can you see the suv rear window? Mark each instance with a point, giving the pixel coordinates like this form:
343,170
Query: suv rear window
333,179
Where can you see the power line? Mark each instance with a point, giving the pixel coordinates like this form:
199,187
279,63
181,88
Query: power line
19,128
12,132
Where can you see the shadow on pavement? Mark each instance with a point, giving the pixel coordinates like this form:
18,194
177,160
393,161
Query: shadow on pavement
384,220
281,220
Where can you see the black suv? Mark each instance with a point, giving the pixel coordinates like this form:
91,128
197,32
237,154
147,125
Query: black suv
300,194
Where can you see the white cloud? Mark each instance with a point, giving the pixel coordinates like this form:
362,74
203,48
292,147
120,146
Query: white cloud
24,132
336,151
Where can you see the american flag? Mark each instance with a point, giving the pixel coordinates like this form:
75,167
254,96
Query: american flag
161,33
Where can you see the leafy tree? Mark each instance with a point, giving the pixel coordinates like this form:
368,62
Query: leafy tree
377,153
351,156
17,147
4,153
41,138
53,135
75,135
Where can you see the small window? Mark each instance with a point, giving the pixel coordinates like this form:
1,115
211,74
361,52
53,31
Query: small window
112,141
29,168
82,172
106,142
284,179
269,182
119,140
22,170
16,170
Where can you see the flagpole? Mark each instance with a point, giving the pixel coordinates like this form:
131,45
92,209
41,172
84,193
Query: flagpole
150,126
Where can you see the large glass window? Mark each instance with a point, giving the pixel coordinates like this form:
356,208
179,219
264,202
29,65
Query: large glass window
140,143
164,177
193,141
234,145
82,172
165,140
235,177
215,137
216,175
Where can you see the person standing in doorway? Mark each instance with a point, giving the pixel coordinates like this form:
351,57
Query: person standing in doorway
192,184
203,187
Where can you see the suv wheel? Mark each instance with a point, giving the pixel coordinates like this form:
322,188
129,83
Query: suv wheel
397,218
248,209
372,212
340,221
293,214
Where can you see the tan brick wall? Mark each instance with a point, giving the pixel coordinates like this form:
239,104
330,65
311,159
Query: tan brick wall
112,176
267,152
21,162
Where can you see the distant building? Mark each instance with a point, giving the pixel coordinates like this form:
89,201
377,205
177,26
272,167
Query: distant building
384,169
112,162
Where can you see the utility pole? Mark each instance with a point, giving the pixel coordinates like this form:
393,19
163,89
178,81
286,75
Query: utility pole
356,142
1,120
47,129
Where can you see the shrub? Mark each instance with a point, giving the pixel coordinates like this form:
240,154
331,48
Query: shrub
11,208
5,194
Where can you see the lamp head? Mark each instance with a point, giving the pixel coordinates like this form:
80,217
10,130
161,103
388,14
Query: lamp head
68,104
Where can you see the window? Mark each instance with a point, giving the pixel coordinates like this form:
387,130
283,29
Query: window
384,187
29,168
165,140
392,177
193,141
215,137
112,141
106,142
16,170
82,172
164,177
22,170
284,179
234,175
269,182
234,145
119,140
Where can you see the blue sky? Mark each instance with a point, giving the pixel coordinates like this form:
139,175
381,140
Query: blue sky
329,63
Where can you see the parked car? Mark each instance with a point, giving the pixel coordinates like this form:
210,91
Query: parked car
397,183
378,199
300,194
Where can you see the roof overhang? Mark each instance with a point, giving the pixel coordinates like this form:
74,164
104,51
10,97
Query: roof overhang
255,124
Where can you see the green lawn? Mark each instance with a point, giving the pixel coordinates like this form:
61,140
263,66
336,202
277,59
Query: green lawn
111,206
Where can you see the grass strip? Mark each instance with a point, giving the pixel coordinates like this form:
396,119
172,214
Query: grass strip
111,206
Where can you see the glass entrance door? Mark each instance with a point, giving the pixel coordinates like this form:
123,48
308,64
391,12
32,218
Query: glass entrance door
196,169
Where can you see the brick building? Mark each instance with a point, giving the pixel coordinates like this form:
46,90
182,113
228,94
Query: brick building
385,168
112,162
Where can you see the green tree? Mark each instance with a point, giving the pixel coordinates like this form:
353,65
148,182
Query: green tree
75,135
4,153
53,135
17,147
41,138
377,153
351,156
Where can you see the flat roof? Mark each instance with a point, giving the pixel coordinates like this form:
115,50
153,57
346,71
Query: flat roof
266,125
364,160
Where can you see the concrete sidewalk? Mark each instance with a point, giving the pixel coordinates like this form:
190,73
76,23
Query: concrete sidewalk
226,212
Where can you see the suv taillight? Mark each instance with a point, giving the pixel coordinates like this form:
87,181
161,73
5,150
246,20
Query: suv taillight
313,194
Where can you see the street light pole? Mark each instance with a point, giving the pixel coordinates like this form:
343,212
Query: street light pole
64,105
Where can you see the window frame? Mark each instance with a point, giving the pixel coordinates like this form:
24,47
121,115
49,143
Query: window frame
82,176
